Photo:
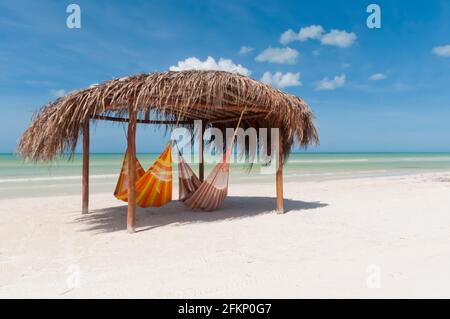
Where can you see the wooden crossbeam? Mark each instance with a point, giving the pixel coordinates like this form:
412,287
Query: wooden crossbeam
121,119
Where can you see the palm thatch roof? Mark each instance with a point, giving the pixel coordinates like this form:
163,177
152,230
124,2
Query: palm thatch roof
216,97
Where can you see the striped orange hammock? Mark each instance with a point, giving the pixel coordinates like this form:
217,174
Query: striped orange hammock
153,187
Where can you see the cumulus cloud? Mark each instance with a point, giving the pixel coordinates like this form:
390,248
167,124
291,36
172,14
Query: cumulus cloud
443,51
378,77
278,55
210,63
245,50
288,37
331,84
311,32
58,93
305,33
281,80
338,38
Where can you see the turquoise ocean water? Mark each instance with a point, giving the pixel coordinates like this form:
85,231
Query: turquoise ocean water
62,177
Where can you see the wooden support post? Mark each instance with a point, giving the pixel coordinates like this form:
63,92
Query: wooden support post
131,217
85,178
280,206
201,165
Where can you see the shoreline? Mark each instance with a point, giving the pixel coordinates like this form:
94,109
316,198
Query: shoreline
21,180
264,179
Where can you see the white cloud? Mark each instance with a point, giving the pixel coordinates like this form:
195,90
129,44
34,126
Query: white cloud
311,32
378,77
278,55
281,80
288,37
305,33
245,50
210,63
338,38
443,51
342,39
58,93
331,84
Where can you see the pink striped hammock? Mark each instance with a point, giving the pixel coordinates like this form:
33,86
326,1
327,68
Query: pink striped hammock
209,194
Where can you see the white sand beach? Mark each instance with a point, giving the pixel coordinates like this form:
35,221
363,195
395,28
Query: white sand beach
368,237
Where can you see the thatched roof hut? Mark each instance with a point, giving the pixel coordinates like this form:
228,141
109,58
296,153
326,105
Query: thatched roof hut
216,97
211,96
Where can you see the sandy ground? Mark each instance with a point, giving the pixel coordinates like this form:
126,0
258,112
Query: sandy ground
378,237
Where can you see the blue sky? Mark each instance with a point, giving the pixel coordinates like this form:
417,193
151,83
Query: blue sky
406,109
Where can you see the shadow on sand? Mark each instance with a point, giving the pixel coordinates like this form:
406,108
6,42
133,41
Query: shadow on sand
114,218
